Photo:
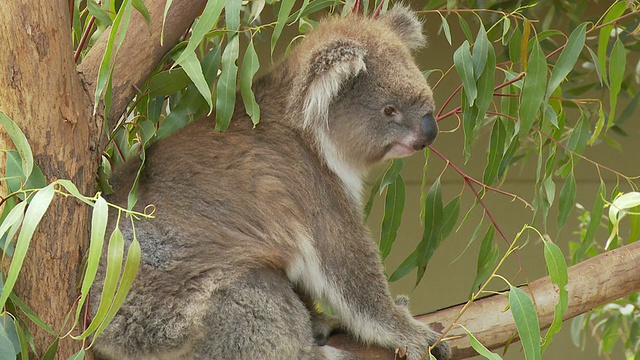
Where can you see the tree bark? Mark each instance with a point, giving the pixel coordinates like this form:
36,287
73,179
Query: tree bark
592,283
41,92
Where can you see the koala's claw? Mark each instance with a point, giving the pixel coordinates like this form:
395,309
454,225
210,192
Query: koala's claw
442,351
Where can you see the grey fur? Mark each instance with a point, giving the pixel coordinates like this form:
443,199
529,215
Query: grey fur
253,225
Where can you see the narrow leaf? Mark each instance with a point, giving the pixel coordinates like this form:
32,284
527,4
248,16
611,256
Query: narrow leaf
605,33
142,9
487,259
391,174
226,88
393,209
250,65
617,64
38,206
20,142
464,65
533,89
193,69
480,51
445,28
205,23
481,349
567,199
557,269
283,14
526,319
594,224
567,58
496,151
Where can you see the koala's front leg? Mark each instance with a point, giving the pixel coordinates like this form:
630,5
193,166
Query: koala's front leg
349,278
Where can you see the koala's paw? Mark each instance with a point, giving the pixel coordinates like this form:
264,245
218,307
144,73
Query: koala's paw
323,326
442,351
417,346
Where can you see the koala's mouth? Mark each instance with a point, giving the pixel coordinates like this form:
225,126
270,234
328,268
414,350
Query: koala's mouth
399,150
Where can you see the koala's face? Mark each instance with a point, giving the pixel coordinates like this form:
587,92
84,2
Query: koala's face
384,112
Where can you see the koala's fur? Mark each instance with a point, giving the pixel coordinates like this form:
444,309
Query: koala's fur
255,224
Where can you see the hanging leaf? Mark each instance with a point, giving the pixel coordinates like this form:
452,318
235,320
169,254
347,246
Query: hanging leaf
480,52
557,269
533,89
283,14
567,200
445,28
496,151
481,349
250,65
205,23
226,88
567,58
526,319
617,64
487,259
464,65
391,174
605,33
393,209
20,142
594,224
193,69
37,207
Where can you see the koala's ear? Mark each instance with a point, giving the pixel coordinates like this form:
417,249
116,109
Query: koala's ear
331,67
406,25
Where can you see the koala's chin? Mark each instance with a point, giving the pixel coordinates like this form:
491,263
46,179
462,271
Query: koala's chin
254,226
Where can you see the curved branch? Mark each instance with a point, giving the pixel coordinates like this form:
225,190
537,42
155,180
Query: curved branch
141,50
592,283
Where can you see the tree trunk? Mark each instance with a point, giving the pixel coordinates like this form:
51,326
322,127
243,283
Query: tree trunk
41,92
594,282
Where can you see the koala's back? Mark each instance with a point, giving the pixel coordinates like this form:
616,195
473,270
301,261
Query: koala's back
226,203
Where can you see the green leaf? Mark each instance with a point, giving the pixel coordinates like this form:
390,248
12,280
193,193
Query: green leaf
73,190
598,66
168,82
31,314
115,254
37,207
391,174
99,219
634,224
128,276
226,88
487,259
445,28
557,269
605,33
142,9
118,32
629,111
232,14
205,23
20,142
515,44
533,89
594,224
480,52
481,349
97,12
617,64
526,319
313,7
6,348
450,215
50,354
250,65
599,126
11,224
372,196
8,329
193,69
423,185
464,65
618,210
567,58
431,237
77,356
147,130
393,209
496,151
283,14
567,199
465,28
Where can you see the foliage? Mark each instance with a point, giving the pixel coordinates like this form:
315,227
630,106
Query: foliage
520,82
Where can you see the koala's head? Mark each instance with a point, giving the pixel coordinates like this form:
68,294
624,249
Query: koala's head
365,98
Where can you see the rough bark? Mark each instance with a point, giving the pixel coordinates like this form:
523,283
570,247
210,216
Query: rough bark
592,283
41,92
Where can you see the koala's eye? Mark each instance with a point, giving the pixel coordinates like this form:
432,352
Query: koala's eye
389,110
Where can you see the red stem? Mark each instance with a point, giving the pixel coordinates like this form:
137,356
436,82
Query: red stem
83,40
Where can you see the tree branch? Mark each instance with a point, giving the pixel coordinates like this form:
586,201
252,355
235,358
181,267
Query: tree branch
592,283
141,50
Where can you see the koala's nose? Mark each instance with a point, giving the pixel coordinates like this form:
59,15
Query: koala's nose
429,129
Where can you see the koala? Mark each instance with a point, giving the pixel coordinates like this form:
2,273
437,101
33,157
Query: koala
254,226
